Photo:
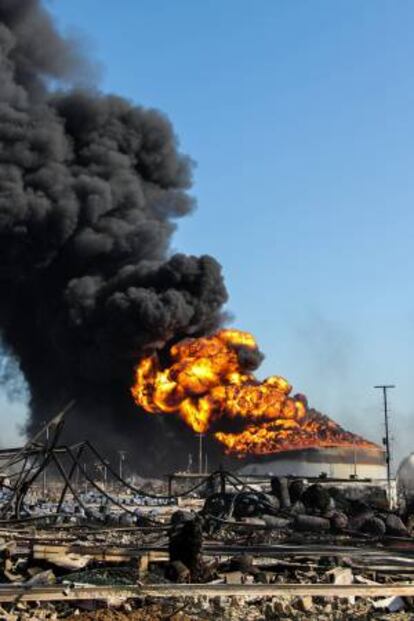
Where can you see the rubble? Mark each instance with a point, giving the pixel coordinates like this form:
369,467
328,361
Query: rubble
395,526
288,548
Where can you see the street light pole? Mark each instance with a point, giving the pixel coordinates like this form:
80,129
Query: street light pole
386,440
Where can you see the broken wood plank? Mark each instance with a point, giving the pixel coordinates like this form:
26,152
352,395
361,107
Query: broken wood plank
67,593
274,550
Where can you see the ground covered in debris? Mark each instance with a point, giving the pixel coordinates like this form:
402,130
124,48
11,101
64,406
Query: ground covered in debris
223,609
248,543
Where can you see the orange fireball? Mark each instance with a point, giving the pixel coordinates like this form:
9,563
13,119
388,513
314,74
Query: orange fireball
209,381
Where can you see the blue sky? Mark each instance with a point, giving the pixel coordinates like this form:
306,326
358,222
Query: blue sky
299,116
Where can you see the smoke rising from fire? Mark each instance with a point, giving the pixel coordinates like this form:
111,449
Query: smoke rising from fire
90,187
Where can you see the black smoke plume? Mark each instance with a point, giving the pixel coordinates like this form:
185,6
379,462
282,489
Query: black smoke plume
90,187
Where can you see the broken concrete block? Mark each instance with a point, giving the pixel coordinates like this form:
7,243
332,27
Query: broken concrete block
233,577
395,526
304,603
241,562
42,578
392,604
339,521
177,572
373,526
341,575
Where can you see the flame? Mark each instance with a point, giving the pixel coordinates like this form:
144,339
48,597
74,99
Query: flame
207,384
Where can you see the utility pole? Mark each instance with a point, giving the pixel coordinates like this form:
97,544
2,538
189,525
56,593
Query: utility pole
105,469
200,452
102,468
355,460
386,440
122,455
44,470
77,474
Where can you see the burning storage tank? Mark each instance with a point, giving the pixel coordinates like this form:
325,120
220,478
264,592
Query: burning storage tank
208,382
335,462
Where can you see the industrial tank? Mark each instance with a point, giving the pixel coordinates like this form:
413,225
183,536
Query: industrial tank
405,477
335,462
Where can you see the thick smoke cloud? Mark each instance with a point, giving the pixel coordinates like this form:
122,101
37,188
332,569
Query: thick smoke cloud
90,187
